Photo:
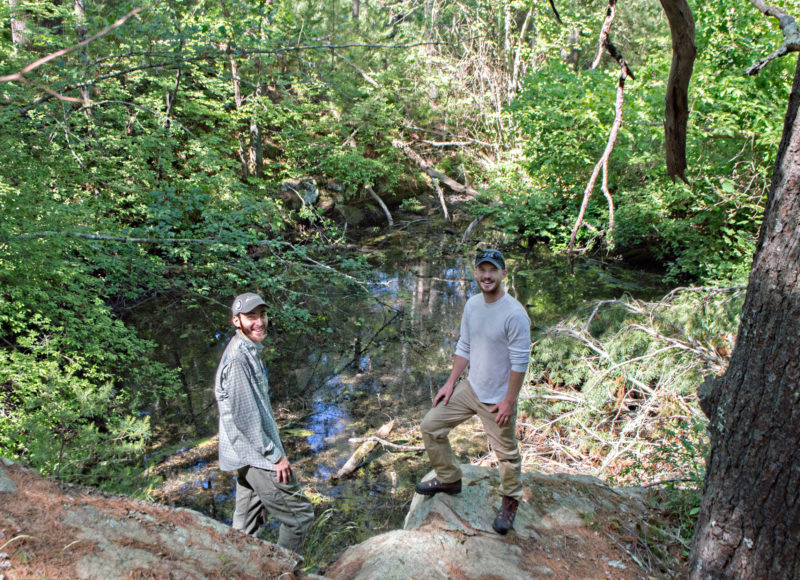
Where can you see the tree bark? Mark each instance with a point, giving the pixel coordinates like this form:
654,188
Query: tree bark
79,10
19,26
749,520
676,118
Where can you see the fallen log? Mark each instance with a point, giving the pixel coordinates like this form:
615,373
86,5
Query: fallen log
416,158
363,450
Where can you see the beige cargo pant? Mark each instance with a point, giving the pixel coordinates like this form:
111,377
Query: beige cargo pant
258,493
463,404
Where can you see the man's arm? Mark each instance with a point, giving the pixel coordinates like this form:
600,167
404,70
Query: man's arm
459,364
505,408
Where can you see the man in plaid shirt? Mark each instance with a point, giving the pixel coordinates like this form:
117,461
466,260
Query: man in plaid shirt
249,442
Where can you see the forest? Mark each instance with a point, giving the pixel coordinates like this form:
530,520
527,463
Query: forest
159,158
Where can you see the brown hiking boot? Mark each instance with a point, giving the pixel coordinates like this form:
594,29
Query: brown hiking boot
434,486
505,517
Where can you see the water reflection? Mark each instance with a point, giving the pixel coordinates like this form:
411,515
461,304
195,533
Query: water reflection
326,422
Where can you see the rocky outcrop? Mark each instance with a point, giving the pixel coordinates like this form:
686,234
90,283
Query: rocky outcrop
568,526
52,531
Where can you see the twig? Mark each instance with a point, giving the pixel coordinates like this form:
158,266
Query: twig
388,444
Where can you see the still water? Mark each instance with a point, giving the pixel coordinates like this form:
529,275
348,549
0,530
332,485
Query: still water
389,349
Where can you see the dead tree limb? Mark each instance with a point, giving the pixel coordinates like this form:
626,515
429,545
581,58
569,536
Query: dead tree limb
440,193
379,201
360,454
388,444
603,162
610,13
676,117
426,167
791,35
472,226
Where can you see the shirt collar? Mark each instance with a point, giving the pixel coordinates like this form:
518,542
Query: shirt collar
253,347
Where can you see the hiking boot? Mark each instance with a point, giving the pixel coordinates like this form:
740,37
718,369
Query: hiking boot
434,486
505,517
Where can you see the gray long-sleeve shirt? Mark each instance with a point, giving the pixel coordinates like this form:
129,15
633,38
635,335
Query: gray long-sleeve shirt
248,433
496,339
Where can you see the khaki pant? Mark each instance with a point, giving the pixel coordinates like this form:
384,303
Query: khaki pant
463,404
258,493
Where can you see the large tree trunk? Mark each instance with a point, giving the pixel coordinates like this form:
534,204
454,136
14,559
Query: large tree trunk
749,521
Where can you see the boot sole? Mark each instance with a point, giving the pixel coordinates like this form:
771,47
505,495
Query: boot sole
430,492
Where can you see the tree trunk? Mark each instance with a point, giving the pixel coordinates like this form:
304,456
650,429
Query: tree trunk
256,140
676,115
749,521
79,10
19,26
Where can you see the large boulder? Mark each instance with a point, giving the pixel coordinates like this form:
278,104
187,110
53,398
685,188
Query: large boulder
52,531
567,526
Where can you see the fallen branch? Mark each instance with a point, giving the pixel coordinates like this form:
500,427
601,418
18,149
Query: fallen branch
360,454
373,195
426,167
440,193
472,226
389,444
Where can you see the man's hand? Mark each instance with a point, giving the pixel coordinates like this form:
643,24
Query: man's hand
444,393
283,469
504,410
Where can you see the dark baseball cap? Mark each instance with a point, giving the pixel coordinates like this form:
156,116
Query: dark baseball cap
246,302
491,256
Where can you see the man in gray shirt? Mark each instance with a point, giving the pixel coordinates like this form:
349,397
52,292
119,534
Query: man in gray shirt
249,442
495,342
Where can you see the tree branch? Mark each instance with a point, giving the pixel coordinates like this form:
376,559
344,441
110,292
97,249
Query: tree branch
791,34
416,158
612,139
373,195
20,76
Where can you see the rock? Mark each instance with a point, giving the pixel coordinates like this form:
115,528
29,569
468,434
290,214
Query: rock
300,192
7,485
568,526
75,532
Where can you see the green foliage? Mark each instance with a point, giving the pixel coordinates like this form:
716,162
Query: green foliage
324,540
678,463
670,345
75,383
624,374
111,203
705,230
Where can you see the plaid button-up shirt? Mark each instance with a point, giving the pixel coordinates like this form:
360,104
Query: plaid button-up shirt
248,434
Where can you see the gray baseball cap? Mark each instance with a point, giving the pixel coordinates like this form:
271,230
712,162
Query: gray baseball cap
246,302
491,256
